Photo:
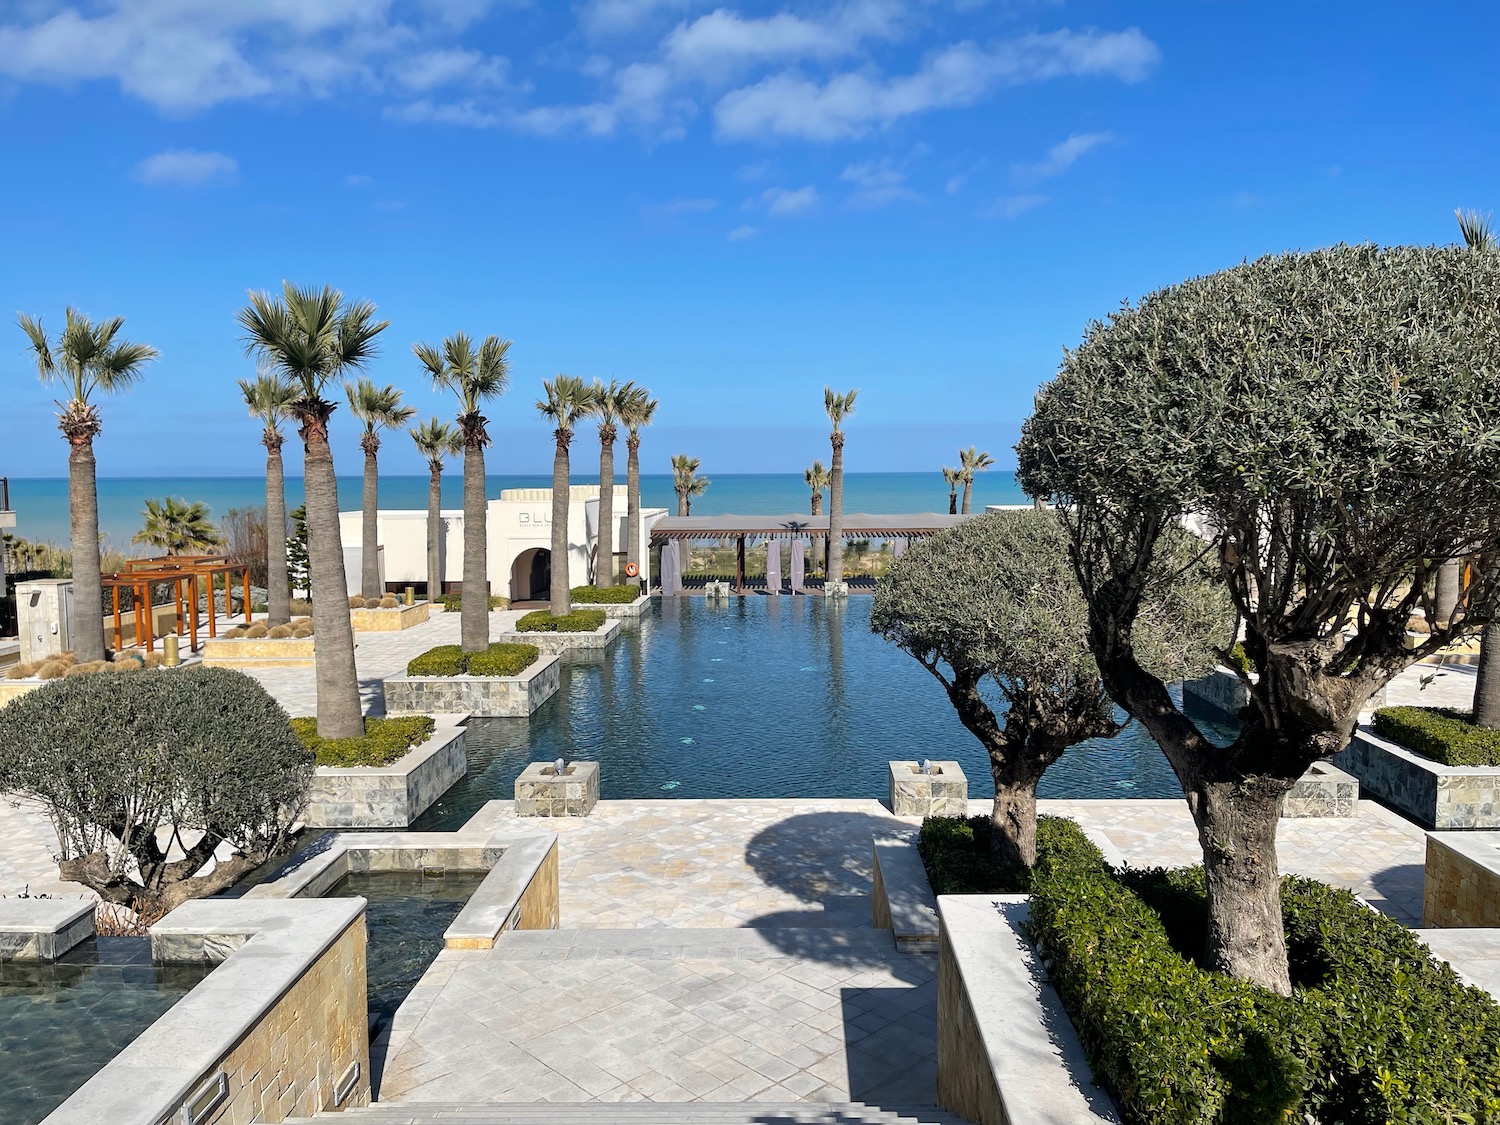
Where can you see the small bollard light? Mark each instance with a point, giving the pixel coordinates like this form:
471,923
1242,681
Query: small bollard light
169,650
411,595
927,765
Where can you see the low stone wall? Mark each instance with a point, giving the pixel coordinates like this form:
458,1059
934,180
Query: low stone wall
14,689
261,652
487,696
1007,1052
1461,884
558,643
520,893
901,899
623,612
1219,695
278,1030
541,791
389,620
43,929
1434,795
388,796
1323,791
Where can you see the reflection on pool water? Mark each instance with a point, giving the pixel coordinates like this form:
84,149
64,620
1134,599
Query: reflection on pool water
61,1021
405,919
762,697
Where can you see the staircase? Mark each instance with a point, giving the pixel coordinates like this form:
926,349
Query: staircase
635,1113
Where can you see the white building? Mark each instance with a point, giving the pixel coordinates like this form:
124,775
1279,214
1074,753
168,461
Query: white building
519,539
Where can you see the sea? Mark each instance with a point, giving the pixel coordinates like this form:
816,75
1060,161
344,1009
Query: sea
41,503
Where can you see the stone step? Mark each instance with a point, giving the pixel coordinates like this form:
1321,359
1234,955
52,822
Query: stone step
687,943
637,1113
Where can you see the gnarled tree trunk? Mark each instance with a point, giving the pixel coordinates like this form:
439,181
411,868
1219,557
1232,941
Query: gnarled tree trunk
278,587
562,598
339,712
835,570
369,562
474,620
604,562
633,552
435,533
88,594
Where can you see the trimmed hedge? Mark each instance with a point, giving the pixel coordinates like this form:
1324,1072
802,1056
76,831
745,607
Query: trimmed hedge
579,621
1441,734
605,595
1376,1030
452,603
956,853
384,741
497,660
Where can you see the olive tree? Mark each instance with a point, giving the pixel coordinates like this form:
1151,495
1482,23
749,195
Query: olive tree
163,785
991,604
1332,419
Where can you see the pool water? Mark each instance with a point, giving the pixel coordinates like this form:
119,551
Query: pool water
61,1021
405,920
762,697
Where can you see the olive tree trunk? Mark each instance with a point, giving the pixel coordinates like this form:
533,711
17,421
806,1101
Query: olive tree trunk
604,560
474,620
835,569
339,711
633,550
435,534
88,594
370,585
278,587
562,598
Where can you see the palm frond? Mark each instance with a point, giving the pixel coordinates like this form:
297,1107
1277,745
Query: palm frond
377,407
637,408
838,406
435,440
568,399
1476,230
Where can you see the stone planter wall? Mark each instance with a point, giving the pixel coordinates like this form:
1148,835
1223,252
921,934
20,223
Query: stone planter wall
14,689
1220,695
627,611
944,792
1461,885
1323,791
389,620
1434,795
263,652
388,796
43,929
558,643
540,791
486,696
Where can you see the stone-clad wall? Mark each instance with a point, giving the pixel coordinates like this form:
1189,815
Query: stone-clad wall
389,620
1434,795
1461,885
388,796
261,652
1220,693
557,643
965,1082
511,697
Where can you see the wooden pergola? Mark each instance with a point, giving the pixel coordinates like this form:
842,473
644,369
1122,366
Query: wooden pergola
183,572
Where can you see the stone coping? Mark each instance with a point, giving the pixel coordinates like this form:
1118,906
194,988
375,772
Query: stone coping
901,900
620,610
1037,1069
259,652
43,929
263,948
600,638
495,905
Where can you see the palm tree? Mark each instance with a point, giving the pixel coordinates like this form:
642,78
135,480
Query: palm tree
568,400
474,375
952,477
687,482
309,337
971,461
817,479
378,408
177,527
610,403
839,407
435,441
636,411
270,399
85,358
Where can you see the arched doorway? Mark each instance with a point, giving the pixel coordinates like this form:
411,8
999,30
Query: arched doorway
531,575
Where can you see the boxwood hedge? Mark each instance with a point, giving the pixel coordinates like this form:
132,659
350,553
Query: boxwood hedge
1444,735
579,621
956,853
497,660
384,741
605,595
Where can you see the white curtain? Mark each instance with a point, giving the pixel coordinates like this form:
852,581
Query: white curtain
773,566
798,568
671,569
898,548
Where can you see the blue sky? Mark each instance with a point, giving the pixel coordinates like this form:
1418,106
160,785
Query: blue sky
731,204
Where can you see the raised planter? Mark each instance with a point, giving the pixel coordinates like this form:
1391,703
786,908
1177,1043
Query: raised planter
43,929
388,796
14,689
542,791
1323,790
260,652
622,611
1218,696
1007,1051
1461,883
1432,794
595,641
943,792
487,696
369,620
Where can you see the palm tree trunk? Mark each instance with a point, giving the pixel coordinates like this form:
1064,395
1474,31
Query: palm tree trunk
369,562
88,594
604,561
968,492
817,510
633,503
474,624
435,534
682,502
835,570
278,588
339,711
1487,680
562,599
953,503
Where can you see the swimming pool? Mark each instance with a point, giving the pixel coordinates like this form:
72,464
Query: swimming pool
762,697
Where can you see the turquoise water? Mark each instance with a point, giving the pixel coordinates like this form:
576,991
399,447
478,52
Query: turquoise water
41,504
762,697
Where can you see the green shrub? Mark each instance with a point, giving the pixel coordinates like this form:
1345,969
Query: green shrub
1376,1031
445,660
1444,735
384,741
452,603
503,660
605,595
1239,658
956,853
579,621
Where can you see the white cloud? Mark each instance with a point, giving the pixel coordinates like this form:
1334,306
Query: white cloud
956,184
427,70
680,206
724,39
854,103
618,17
878,184
185,167
445,113
358,180
1059,158
781,201
1011,206
739,234
756,172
